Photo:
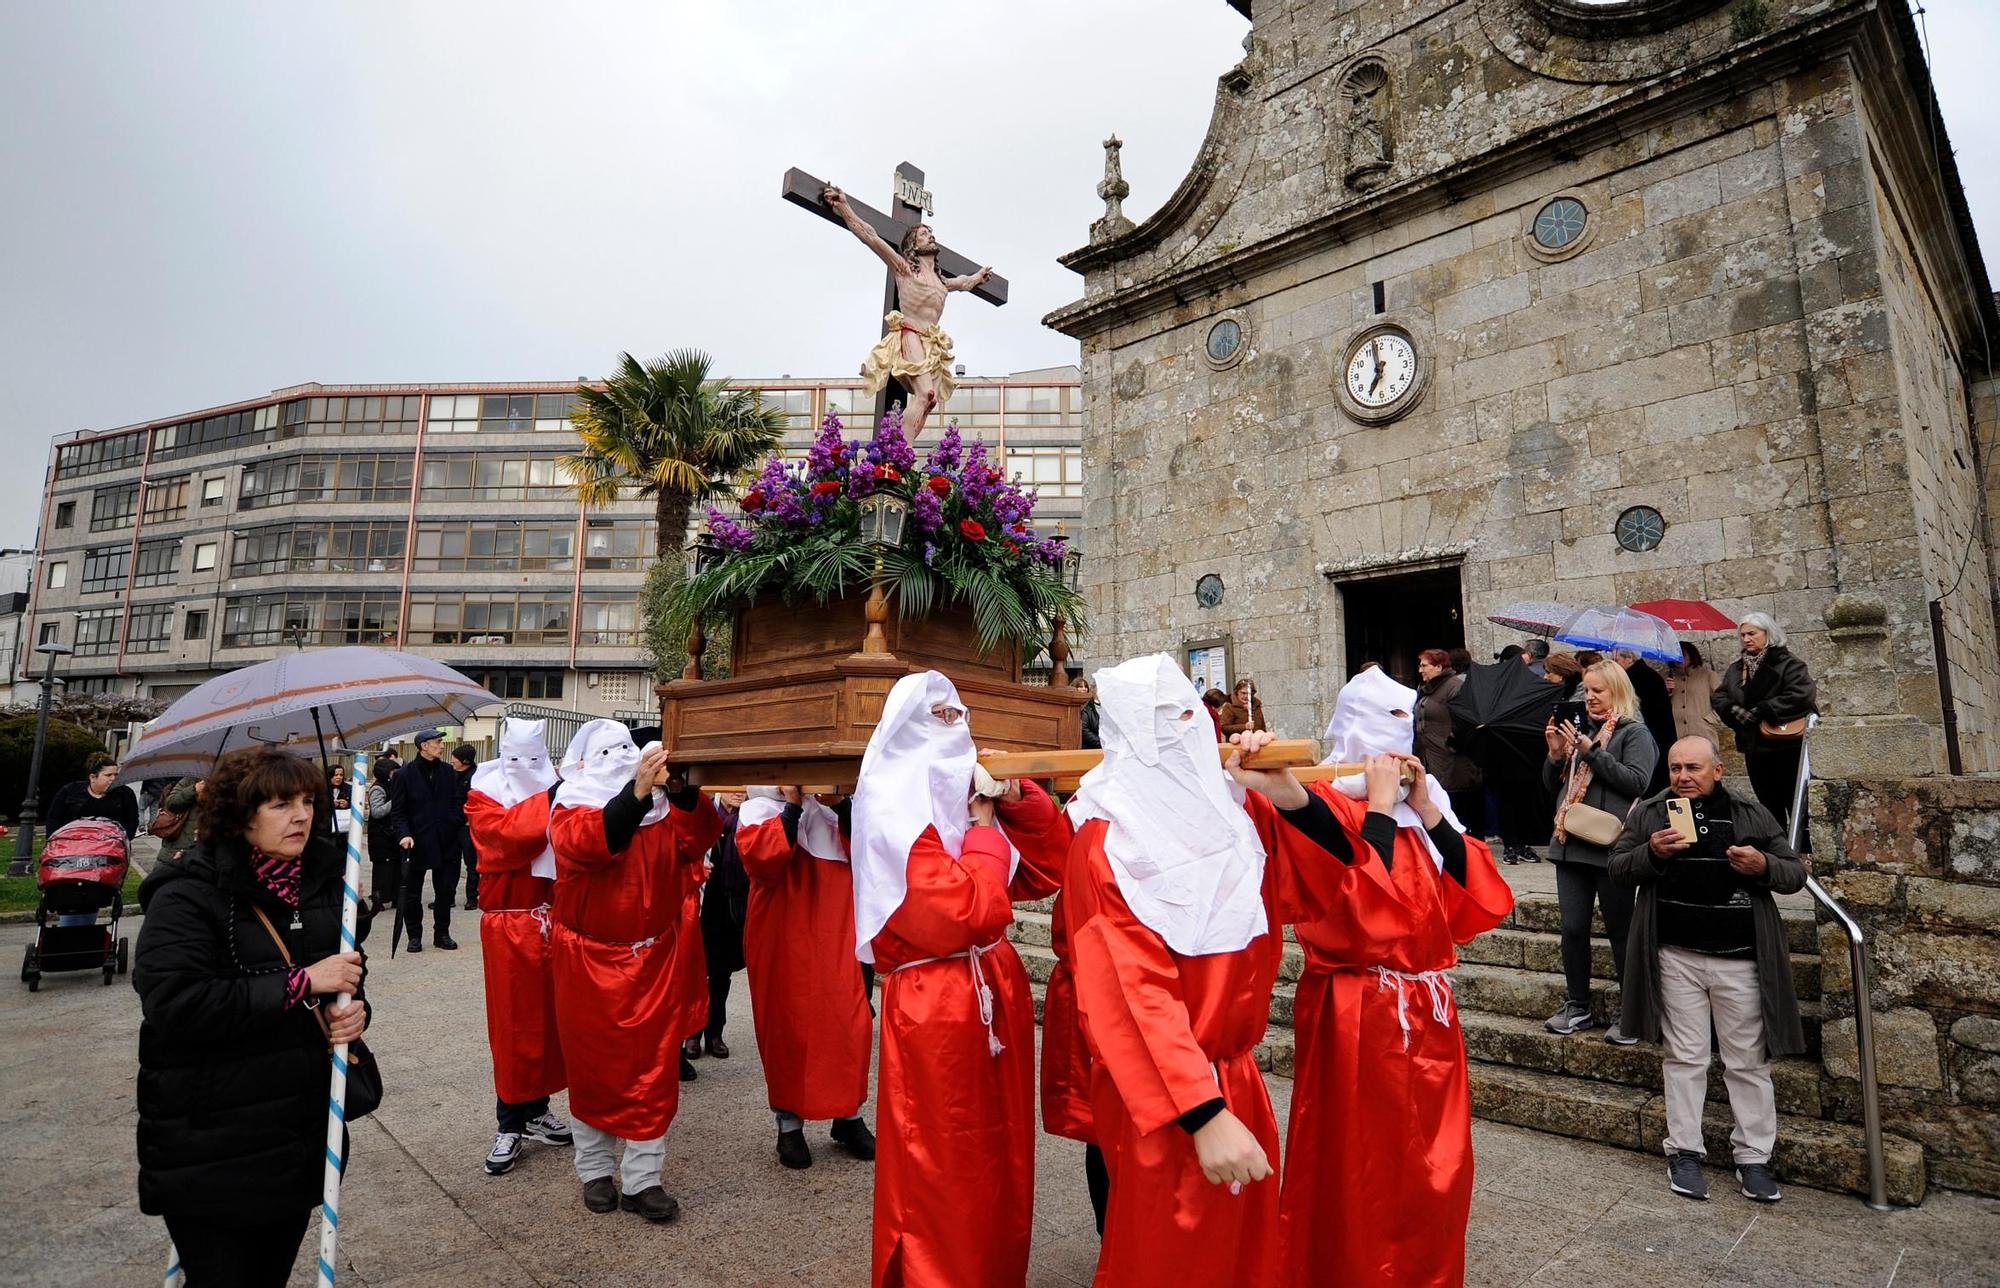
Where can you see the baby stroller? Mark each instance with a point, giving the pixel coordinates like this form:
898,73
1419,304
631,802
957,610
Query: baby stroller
82,871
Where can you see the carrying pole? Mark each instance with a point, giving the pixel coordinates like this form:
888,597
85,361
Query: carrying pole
336,1105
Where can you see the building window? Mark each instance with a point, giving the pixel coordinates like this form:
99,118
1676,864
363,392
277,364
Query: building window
855,406
1559,223
1228,339
310,617
552,412
369,414
615,686
453,414
483,617
105,569
97,632
214,492
487,476
531,685
65,514
1034,405
204,556
58,576
373,477
796,404
1052,471
85,685
214,433
196,627
158,562
972,408
50,633
608,617
152,628
1640,528
165,499
100,454
476,546
319,547
114,508
621,546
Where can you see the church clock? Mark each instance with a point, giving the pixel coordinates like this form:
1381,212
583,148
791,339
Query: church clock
1383,373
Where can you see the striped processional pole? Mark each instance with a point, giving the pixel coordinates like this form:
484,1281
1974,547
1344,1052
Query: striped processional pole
336,1105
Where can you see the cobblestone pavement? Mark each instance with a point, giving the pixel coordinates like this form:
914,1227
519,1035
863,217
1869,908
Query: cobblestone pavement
419,1209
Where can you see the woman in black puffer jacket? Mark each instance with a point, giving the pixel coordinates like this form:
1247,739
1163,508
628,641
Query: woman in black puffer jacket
233,1067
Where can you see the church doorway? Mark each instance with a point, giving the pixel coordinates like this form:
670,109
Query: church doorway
1390,619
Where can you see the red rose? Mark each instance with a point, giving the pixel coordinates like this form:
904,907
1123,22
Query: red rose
753,500
1012,549
939,484
826,487
1019,529
971,530
890,474
839,455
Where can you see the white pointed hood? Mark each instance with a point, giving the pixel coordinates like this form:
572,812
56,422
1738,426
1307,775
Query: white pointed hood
819,826
1185,854
1372,716
916,773
521,770
598,764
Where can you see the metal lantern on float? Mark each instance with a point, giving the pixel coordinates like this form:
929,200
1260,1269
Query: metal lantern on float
706,551
882,516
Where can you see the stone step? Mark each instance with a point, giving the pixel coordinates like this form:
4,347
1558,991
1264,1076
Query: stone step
1041,960
1541,950
1827,1155
1525,1044
1034,928
1274,1053
1537,910
1535,995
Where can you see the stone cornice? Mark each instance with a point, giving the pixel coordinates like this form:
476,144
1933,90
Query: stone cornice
1747,67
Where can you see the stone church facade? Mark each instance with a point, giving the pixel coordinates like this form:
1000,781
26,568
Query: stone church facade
1472,301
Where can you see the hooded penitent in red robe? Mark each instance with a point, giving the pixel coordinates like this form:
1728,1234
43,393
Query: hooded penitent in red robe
806,994
1378,1182
617,920
690,969
514,945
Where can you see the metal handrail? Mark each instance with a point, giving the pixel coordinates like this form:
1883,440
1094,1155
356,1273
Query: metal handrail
1857,967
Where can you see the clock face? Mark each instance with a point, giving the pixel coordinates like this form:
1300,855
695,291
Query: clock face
1382,369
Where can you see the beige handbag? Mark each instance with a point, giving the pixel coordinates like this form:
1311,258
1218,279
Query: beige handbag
1596,826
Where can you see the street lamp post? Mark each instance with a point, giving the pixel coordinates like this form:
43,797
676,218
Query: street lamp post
24,838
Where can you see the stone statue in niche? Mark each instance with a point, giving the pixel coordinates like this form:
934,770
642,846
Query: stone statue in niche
1369,140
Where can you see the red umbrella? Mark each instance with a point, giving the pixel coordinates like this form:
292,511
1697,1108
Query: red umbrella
1688,614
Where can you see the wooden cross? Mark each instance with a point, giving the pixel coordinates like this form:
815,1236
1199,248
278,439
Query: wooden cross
907,209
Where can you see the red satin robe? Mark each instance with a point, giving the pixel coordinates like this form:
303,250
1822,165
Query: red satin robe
955,1160
1379,1182
806,995
690,968
617,920
1168,1034
1066,1070
514,946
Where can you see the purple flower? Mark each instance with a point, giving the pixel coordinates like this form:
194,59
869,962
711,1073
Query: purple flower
1051,551
728,533
774,479
890,446
950,450
930,552
861,479
827,449
927,510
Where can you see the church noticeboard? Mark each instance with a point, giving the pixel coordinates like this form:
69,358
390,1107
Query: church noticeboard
1207,663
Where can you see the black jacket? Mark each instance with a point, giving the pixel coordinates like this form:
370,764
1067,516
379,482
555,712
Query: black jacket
74,801
1092,740
1656,712
232,1086
1781,690
431,818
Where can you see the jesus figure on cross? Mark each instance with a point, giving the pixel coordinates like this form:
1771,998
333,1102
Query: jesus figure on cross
915,351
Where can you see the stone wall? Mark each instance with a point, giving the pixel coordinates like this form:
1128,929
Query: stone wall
1918,865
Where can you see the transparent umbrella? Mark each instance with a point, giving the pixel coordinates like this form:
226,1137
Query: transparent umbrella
1605,629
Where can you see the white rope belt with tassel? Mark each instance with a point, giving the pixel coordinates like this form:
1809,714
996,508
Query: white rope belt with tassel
980,988
1436,982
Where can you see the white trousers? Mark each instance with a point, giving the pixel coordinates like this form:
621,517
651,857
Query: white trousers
640,1169
1695,989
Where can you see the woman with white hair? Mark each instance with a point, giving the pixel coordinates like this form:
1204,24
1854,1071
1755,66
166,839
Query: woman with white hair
1765,688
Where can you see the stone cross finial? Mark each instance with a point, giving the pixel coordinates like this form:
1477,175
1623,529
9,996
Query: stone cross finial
1113,190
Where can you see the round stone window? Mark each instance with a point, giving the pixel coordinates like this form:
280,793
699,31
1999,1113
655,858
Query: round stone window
1225,341
1208,590
1640,529
1560,223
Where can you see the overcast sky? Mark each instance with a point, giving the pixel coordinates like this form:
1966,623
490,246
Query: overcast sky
206,201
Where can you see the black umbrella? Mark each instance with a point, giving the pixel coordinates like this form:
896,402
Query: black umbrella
1498,714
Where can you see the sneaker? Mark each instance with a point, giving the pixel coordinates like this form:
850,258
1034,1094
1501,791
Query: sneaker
1572,1018
653,1203
1510,856
600,1195
852,1135
1616,1035
550,1130
793,1151
506,1150
1684,1175
1759,1186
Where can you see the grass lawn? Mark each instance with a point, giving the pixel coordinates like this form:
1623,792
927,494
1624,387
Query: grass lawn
18,894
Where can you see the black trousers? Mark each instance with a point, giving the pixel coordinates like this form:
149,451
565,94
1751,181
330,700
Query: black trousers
1470,806
1774,775
471,860
442,864
718,1005
236,1253
1098,1177
515,1118
1578,886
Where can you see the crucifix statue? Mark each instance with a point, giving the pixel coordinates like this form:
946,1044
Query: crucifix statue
914,356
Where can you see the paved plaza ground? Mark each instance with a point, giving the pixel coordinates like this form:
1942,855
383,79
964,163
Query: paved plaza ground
419,1210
